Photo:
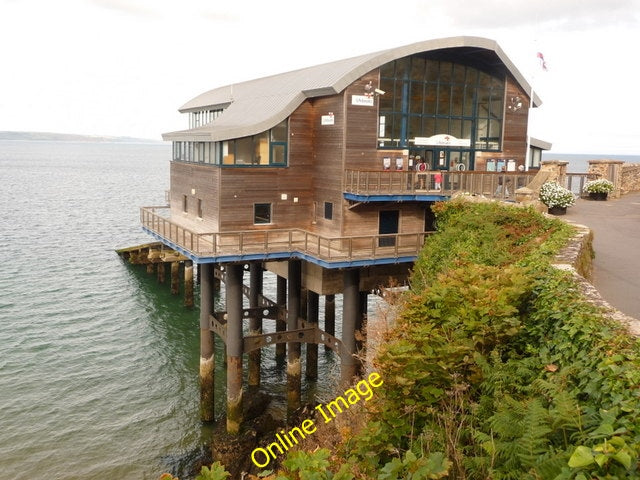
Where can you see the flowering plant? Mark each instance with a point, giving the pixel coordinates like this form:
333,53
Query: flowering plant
598,186
554,195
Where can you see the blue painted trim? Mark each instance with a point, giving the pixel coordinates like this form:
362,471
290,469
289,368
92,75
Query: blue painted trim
281,256
395,198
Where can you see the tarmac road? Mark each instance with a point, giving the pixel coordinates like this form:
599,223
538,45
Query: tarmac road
616,228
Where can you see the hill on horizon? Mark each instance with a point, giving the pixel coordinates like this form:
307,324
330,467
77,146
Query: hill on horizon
70,137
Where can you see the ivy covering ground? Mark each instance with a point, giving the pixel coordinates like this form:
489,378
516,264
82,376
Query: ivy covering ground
496,367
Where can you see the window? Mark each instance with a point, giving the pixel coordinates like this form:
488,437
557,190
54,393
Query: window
261,213
268,148
184,203
328,210
199,208
427,96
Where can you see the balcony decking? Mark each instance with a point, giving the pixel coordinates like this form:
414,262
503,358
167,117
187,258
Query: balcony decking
424,184
330,252
335,252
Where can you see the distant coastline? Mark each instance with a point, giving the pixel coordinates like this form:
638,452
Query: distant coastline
70,137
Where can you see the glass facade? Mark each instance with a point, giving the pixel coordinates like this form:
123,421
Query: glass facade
428,99
266,149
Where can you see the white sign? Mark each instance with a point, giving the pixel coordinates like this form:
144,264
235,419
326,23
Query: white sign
327,119
362,100
443,140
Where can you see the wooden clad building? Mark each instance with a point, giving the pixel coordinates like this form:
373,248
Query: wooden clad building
277,152
326,176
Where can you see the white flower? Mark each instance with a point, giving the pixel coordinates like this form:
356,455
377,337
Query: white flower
554,195
598,186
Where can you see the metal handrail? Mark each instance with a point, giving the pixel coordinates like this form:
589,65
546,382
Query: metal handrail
281,240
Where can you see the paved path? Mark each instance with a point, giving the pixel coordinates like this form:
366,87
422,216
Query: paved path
616,267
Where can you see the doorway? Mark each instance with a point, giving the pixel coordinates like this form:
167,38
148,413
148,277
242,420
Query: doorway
388,223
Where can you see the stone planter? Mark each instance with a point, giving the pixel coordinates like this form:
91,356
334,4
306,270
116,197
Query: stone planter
598,195
557,210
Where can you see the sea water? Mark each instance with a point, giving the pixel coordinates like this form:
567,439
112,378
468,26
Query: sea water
98,362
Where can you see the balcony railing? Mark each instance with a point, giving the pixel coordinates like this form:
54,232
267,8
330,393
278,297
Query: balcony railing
388,182
290,241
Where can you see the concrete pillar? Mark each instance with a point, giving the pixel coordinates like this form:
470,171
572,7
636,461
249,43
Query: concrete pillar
350,314
281,325
175,278
207,346
234,347
329,316
188,284
294,369
255,322
160,272
313,301
361,329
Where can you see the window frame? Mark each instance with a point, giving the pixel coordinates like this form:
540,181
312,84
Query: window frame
269,216
442,83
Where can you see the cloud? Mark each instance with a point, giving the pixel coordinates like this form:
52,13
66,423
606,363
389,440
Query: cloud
562,14
128,7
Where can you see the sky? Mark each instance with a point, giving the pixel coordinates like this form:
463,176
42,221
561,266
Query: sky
124,67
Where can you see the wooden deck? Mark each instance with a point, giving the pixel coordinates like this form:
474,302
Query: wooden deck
274,243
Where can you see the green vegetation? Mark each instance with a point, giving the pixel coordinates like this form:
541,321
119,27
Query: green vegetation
499,364
496,367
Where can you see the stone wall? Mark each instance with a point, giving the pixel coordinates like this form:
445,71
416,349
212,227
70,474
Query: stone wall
630,178
576,258
611,170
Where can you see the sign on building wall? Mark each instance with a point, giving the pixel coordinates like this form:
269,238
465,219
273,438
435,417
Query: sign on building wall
442,140
362,100
327,119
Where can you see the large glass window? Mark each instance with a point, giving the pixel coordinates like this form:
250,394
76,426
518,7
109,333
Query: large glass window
267,148
427,97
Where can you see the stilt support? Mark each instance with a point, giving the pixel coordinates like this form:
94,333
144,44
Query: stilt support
329,316
207,346
313,300
281,325
160,272
350,314
175,278
255,322
294,369
188,284
234,347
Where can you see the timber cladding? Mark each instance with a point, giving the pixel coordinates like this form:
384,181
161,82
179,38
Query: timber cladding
287,189
195,182
328,167
364,219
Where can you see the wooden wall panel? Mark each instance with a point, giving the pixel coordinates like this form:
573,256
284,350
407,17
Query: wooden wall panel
205,181
328,164
363,219
241,188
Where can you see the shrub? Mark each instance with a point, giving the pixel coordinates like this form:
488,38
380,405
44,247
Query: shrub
598,186
553,194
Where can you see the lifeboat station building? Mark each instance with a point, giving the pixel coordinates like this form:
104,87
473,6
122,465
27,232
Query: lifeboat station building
325,176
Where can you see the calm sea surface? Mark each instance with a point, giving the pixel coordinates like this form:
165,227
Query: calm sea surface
98,363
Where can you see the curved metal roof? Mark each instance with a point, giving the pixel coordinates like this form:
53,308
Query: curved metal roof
255,106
